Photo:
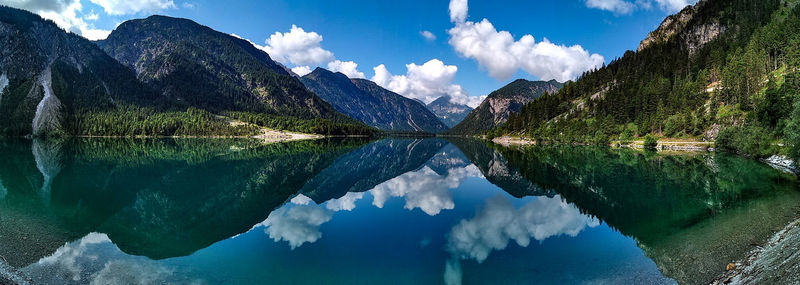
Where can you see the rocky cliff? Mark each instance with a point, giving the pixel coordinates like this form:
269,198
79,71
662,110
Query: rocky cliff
496,108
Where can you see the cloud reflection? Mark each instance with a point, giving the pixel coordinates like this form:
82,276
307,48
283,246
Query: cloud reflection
499,222
296,224
94,259
424,189
298,221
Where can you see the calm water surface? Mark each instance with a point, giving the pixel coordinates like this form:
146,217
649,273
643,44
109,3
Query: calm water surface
392,211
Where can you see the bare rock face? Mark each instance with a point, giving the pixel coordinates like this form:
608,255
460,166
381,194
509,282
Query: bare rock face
49,113
693,38
34,50
3,85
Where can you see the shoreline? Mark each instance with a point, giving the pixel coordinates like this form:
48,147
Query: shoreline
671,145
774,261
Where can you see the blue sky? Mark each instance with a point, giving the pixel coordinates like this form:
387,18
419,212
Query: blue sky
469,56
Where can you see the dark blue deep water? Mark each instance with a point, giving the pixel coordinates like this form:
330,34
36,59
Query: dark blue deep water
391,211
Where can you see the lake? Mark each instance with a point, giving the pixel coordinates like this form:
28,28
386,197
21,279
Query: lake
389,211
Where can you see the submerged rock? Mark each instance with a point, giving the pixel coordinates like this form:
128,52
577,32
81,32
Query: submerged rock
777,262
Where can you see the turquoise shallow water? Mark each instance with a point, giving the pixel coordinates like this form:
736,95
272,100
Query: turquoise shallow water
392,211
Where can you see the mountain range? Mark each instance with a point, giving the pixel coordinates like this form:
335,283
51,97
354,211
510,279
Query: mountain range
170,76
193,65
496,108
371,104
448,112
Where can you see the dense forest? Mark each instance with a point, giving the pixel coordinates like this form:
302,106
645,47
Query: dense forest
739,89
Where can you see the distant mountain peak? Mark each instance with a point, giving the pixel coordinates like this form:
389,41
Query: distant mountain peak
498,105
450,113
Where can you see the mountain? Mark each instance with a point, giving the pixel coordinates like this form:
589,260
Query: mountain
497,107
49,76
724,70
195,66
371,104
448,112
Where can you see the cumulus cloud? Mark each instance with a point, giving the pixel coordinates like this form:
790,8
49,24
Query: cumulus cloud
348,68
672,6
297,47
425,82
616,6
627,7
428,35
301,70
424,189
127,7
65,13
296,224
458,10
499,222
502,56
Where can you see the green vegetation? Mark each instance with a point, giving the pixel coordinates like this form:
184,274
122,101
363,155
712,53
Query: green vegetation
315,126
793,131
650,142
744,82
132,121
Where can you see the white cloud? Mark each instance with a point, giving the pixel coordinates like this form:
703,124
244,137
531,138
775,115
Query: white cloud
616,6
627,7
127,7
297,47
65,13
499,222
458,10
502,55
297,224
301,70
672,6
428,35
349,68
425,82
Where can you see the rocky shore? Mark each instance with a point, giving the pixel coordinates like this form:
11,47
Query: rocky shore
776,262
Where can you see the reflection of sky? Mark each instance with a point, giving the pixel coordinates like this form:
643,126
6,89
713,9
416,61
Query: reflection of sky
407,228
350,240
499,222
298,222
94,259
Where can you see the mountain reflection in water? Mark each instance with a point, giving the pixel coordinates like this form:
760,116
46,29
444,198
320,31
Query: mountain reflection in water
394,210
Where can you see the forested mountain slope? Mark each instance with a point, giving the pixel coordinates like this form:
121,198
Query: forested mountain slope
371,104
194,66
729,65
48,77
